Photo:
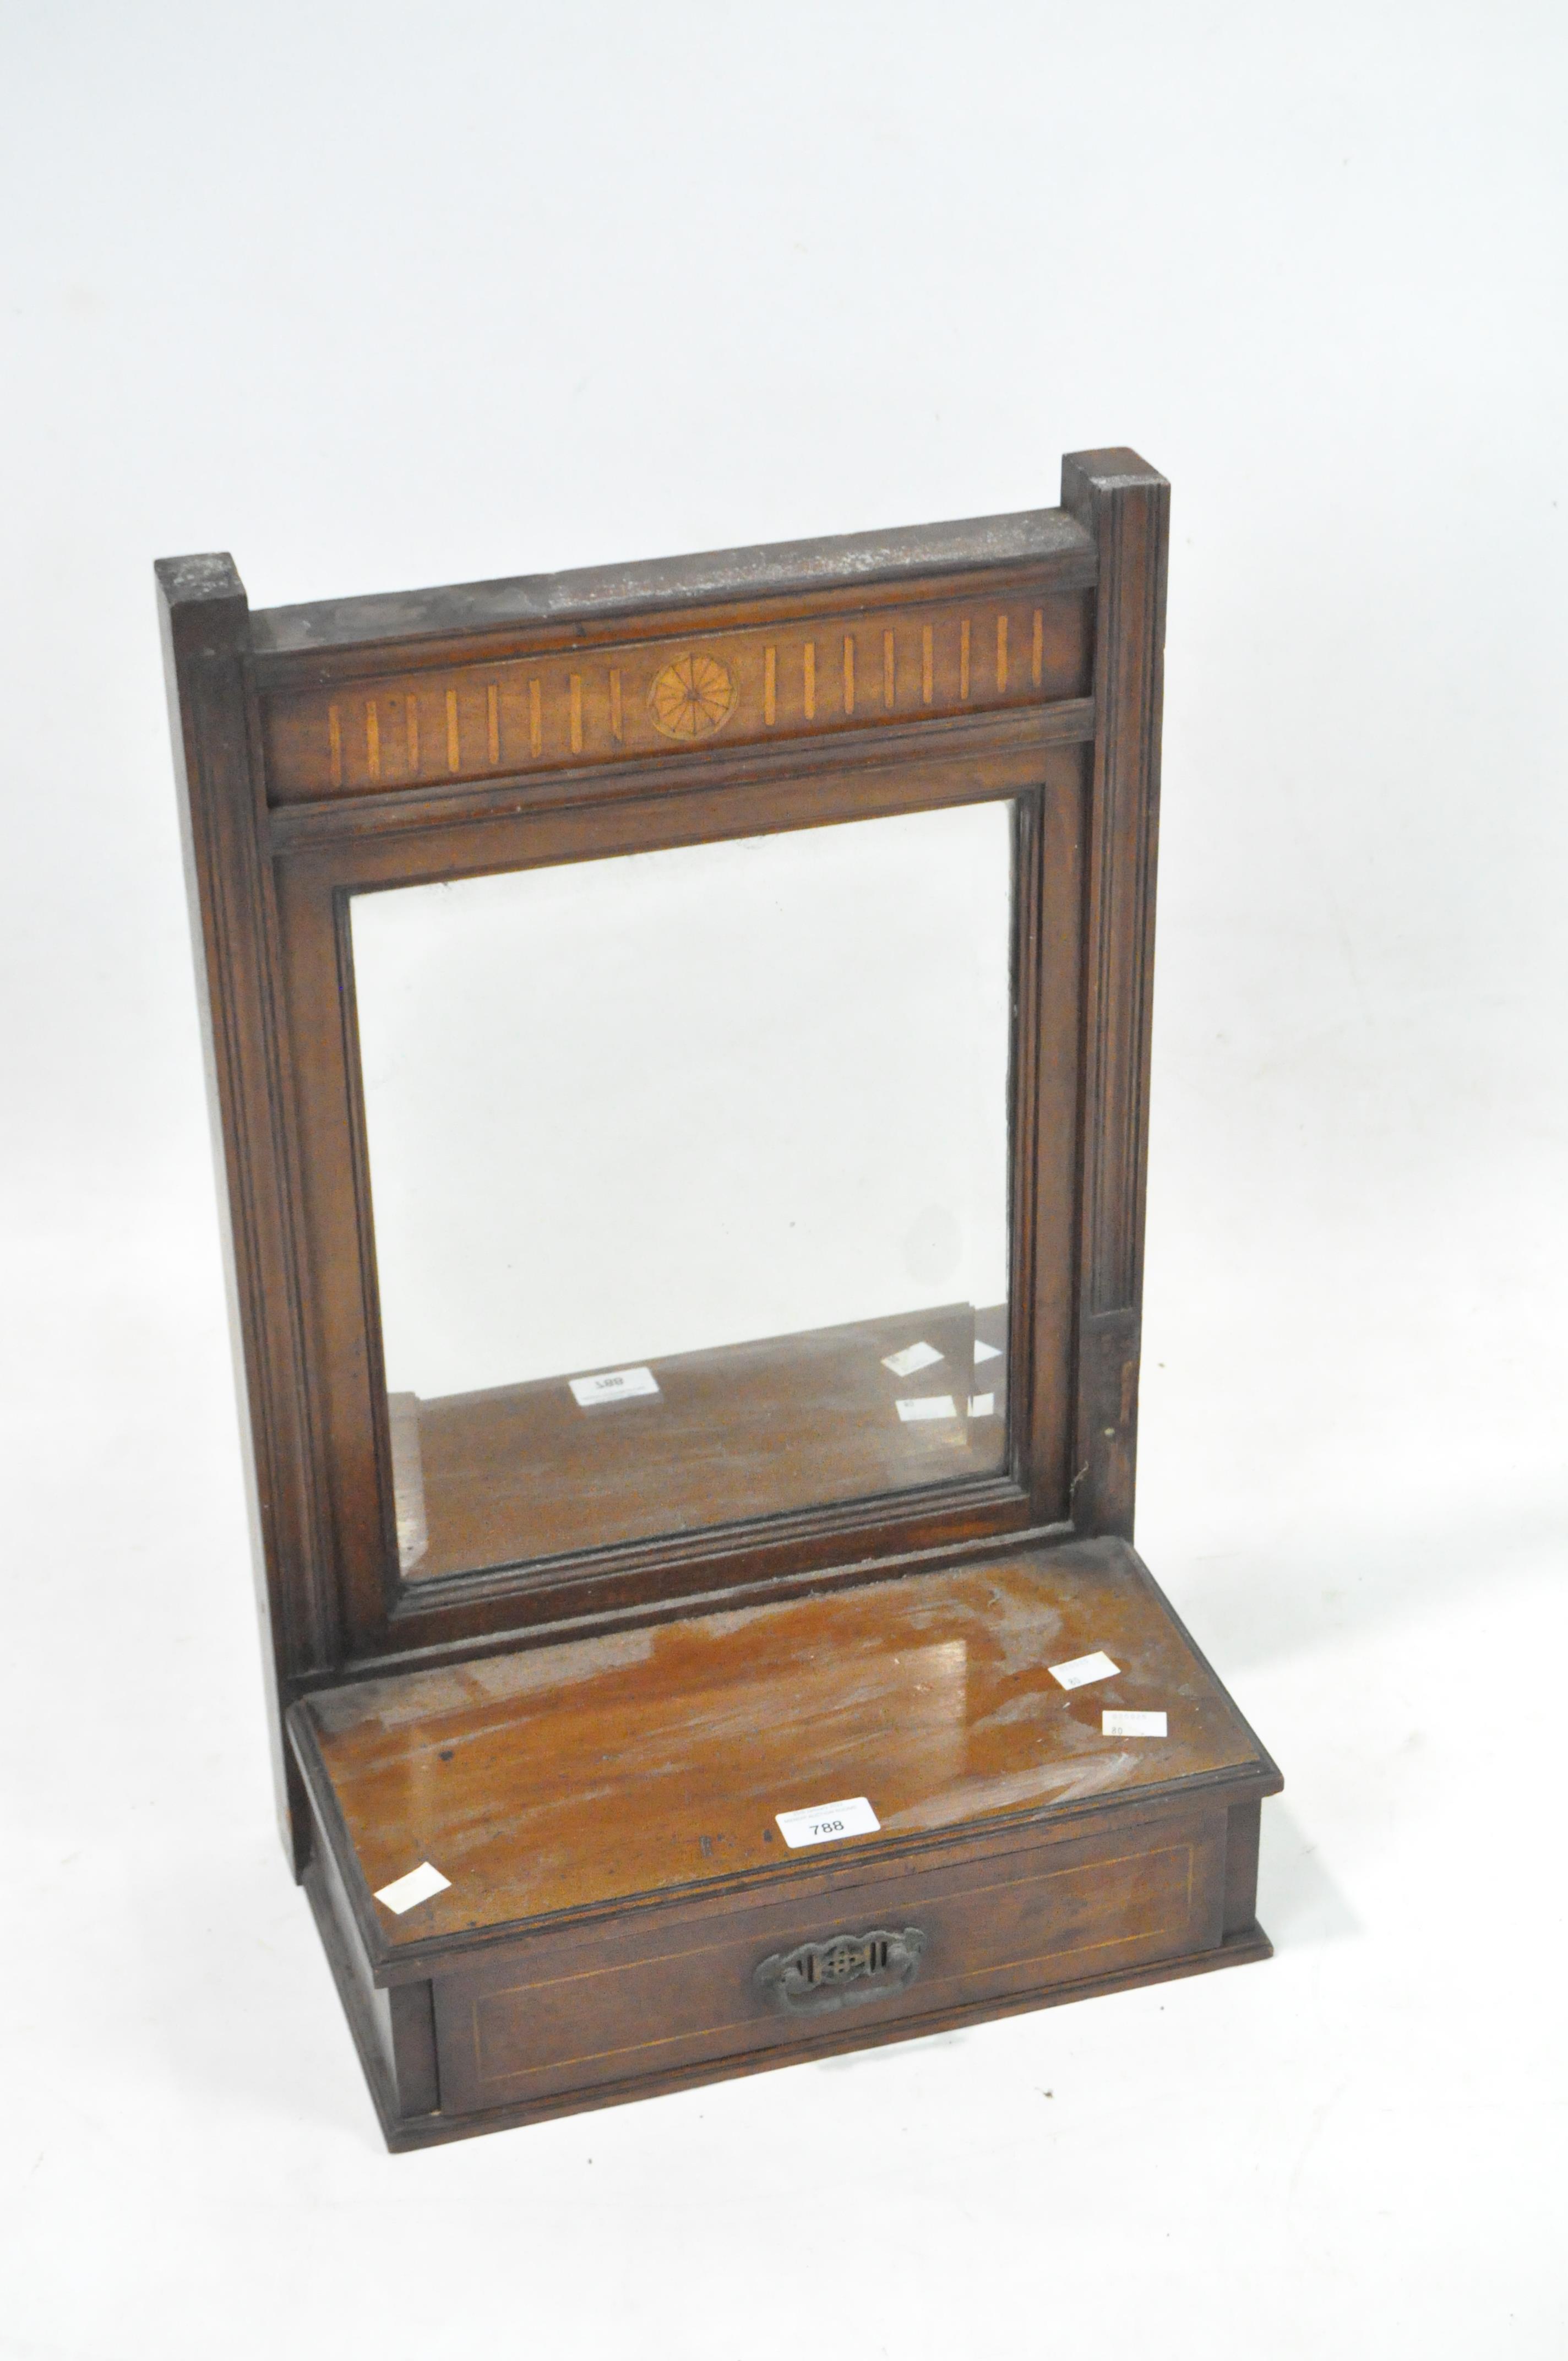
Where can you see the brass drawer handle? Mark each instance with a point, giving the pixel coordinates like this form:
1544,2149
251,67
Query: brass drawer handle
816,1977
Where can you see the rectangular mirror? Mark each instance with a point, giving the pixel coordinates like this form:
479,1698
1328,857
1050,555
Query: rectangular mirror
690,1173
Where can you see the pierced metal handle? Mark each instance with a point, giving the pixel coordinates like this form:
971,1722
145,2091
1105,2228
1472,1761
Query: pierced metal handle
838,1973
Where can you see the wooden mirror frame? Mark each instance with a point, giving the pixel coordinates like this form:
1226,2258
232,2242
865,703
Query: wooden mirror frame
400,738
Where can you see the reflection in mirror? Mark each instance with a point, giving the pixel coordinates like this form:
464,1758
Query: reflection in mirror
689,1172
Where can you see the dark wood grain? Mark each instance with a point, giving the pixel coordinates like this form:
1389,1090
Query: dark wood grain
1126,506
205,627
833,2039
889,760
338,1580
619,1880
527,714
619,1656
574,1776
337,1277
541,2021
393,2026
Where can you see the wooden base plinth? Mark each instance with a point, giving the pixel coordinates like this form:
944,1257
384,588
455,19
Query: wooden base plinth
623,1918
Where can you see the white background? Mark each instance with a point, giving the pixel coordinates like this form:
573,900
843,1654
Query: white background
382,295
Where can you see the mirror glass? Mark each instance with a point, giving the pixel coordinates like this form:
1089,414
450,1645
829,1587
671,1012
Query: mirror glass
689,1172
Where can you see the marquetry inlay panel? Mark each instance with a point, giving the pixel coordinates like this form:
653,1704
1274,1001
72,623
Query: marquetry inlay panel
652,696
692,696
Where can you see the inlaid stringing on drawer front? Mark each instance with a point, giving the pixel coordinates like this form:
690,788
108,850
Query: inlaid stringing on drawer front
1044,1926
658,696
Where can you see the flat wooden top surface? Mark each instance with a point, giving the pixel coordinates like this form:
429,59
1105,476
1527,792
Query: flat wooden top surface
556,1779
762,569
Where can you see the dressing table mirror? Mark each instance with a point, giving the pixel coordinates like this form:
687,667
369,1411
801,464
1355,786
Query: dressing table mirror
678,1044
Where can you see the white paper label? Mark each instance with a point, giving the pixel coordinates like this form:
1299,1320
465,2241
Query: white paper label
928,1406
984,1352
913,1357
417,1887
613,1385
1073,1675
1115,1724
827,1822
982,1405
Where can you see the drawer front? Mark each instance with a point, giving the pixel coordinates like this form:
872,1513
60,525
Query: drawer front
555,2015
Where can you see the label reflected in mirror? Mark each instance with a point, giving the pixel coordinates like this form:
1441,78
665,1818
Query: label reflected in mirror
690,1183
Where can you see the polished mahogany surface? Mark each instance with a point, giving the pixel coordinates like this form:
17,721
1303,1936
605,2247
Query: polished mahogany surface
560,1778
752,1430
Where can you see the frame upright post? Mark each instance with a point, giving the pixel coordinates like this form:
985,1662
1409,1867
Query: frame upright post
1126,504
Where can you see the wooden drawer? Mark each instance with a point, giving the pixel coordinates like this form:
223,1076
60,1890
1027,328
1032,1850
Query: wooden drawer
552,2015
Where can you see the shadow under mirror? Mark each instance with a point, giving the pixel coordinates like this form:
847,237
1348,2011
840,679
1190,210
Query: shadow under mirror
690,1182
